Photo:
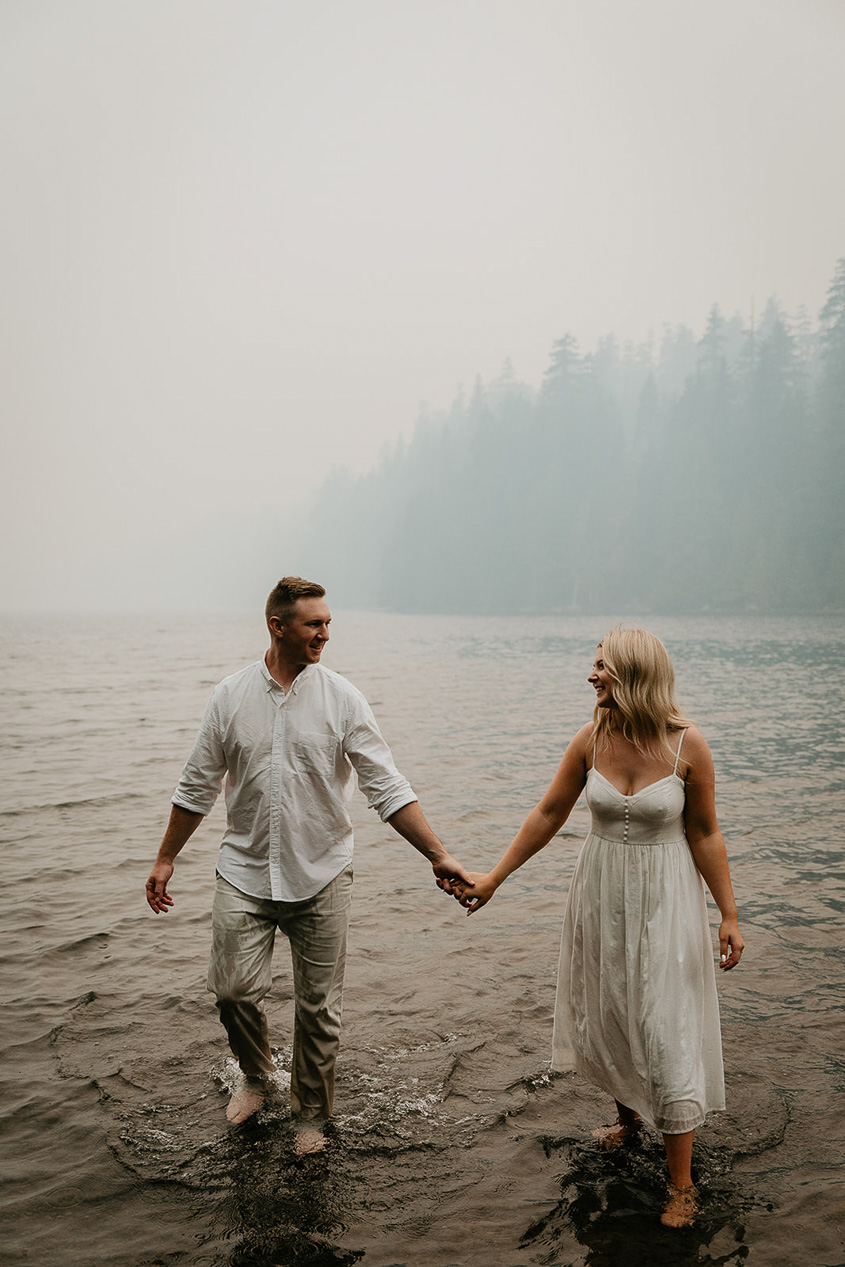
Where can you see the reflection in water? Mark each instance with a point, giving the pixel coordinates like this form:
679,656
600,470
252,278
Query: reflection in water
611,1202
283,1209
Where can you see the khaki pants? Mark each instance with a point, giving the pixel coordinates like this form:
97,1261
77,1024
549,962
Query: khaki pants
240,975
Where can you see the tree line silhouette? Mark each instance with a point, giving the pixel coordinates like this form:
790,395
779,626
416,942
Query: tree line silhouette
685,476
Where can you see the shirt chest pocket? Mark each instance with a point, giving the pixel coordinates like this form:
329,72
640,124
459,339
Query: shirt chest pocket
315,753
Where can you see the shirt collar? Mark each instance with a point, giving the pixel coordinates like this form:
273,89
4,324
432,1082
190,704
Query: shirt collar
273,684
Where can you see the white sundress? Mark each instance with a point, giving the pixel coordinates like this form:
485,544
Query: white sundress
636,1010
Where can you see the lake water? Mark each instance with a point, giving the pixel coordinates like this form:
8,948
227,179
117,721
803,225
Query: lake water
453,1145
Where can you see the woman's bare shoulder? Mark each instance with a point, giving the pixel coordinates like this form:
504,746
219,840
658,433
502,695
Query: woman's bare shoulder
695,753
581,739
578,746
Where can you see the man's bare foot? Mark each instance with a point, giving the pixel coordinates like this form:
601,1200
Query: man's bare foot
247,1100
681,1207
616,1135
309,1140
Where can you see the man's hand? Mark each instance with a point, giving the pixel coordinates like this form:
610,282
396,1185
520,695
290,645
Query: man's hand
410,822
157,895
448,873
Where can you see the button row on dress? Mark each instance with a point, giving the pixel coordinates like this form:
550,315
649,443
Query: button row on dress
627,824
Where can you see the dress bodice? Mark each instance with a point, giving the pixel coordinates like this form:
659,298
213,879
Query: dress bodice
652,816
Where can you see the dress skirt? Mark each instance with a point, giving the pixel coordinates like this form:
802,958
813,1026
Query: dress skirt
636,1010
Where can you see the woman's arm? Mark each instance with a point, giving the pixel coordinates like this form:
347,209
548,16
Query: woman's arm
544,821
708,845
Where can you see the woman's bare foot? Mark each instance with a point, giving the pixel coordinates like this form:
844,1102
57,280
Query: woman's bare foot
616,1135
247,1100
681,1207
309,1140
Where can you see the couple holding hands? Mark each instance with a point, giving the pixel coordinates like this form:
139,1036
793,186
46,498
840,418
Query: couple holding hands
636,1010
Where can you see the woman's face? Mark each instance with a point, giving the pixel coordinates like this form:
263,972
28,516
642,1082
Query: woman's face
601,682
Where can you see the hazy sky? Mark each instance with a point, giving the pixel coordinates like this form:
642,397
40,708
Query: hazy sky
243,239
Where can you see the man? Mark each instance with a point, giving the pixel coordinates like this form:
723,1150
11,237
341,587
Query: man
286,734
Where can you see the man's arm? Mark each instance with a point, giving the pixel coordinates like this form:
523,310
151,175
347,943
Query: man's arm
181,827
199,786
390,794
410,822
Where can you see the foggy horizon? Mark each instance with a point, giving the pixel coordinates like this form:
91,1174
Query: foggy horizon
241,246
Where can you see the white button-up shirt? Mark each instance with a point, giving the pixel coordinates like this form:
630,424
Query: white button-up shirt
288,762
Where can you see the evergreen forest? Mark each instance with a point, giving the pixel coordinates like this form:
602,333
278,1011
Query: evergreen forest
684,475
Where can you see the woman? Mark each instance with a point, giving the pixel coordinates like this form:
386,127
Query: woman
636,1010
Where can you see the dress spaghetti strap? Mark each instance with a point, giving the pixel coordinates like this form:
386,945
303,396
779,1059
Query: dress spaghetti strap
678,753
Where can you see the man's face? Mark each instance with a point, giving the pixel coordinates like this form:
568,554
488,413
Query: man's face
306,632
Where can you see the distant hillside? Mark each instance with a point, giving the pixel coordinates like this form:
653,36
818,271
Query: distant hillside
698,474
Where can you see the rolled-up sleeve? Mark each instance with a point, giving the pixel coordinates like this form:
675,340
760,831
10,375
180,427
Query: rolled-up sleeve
385,788
202,778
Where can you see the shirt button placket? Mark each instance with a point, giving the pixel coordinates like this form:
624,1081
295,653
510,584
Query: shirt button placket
276,760
627,823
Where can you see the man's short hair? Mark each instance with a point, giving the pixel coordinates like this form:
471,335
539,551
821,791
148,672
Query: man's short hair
283,597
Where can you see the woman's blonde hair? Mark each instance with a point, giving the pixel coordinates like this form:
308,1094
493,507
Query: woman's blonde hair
643,691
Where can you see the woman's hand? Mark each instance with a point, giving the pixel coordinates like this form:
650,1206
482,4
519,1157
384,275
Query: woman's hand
731,944
479,895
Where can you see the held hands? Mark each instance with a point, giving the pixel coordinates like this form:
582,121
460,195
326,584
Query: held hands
157,896
475,894
731,944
